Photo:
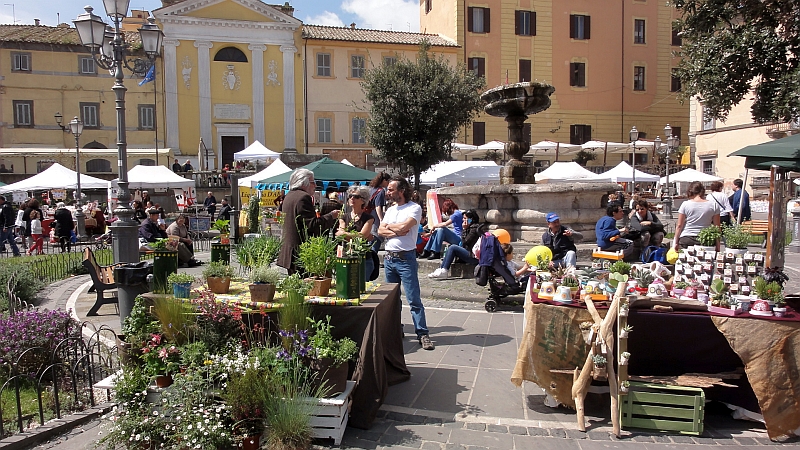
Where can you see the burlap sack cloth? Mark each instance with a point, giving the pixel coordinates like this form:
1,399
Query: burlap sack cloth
769,349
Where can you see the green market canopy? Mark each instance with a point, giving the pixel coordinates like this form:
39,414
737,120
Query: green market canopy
784,153
327,172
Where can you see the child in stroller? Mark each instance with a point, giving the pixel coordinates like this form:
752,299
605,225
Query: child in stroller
493,262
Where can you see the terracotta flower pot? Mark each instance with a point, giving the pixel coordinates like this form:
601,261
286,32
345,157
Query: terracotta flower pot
322,287
262,292
163,381
219,285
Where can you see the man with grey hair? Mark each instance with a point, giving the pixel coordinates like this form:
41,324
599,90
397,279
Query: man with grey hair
301,219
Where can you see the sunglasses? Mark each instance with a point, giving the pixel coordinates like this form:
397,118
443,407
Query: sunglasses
354,196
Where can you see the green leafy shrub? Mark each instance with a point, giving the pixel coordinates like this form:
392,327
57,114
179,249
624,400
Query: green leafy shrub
26,283
709,236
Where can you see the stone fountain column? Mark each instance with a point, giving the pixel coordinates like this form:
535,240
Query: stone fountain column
515,102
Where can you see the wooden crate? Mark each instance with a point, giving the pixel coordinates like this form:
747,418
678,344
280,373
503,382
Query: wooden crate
330,419
663,408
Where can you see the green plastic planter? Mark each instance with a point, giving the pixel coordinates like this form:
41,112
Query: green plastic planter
221,252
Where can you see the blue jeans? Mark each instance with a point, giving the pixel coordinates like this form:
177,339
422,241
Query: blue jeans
404,270
369,266
457,251
7,234
570,259
440,236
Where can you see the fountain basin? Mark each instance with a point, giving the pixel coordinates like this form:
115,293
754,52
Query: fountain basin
518,99
521,208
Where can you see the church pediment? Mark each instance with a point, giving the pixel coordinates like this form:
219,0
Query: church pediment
248,13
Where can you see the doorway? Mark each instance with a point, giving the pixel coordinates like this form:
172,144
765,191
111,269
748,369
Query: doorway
231,145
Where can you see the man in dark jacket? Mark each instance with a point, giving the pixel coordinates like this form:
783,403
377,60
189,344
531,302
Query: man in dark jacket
149,229
646,222
301,219
225,210
64,226
8,217
561,241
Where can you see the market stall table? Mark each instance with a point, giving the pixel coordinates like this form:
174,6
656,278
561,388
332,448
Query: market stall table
375,325
672,344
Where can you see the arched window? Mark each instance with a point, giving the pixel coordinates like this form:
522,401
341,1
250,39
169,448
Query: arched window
147,162
98,165
230,54
94,144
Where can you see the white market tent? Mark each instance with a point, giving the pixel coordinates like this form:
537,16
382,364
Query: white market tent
689,175
623,173
276,168
345,161
55,177
461,173
561,172
256,151
151,177
557,148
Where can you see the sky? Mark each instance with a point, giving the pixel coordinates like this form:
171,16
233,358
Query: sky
397,15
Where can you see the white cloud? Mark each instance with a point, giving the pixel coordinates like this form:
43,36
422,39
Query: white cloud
397,15
327,18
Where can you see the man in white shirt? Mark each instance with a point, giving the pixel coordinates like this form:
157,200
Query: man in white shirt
399,229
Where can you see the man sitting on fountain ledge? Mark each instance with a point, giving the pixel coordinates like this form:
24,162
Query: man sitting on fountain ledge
609,238
561,241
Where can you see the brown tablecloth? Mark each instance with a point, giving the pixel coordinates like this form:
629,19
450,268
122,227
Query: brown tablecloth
375,326
672,344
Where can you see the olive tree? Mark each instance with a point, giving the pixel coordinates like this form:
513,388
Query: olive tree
416,108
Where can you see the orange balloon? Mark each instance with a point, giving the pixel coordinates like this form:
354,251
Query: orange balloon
502,235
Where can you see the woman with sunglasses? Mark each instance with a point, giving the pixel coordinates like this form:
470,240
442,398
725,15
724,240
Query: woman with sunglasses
358,222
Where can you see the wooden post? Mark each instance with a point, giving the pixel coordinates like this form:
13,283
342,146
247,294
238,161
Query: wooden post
776,227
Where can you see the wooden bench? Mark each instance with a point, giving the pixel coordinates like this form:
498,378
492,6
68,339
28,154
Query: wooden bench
103,282
757,228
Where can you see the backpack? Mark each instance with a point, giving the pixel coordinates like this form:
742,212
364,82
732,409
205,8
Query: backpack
654,254
369,208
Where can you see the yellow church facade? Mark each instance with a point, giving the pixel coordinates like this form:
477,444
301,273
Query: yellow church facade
232,76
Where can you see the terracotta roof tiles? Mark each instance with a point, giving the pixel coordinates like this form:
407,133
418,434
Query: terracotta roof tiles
378,36
39,34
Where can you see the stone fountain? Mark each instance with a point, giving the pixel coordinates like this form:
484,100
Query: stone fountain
515,102
517,204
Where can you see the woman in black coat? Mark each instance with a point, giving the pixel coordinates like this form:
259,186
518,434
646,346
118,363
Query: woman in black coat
64,227
472,231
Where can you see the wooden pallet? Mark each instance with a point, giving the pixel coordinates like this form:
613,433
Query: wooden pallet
663,408
330,419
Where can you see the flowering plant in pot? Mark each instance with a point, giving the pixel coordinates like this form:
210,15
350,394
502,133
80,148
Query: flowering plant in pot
161,359
181,284
218,276
331,355
624,357
263,281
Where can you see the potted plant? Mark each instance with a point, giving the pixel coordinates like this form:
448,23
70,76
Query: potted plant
709,238
247,395
332,356
181,284
623,309
620,267
718,292
572,282
625,331
767,290
644,278
161,359
679,288
599,372
624,387
736,239
587,329
263,280
780,305
218,277
258,251
317,257
624,357
224,228
165,262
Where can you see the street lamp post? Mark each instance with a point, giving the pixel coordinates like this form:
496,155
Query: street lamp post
673,142
634,135
111,52
76,128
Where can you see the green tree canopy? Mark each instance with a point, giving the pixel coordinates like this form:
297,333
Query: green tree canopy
416,108
731,47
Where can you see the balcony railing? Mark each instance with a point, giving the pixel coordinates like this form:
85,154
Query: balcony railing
215,178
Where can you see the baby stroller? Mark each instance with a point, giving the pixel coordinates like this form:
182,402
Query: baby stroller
492,264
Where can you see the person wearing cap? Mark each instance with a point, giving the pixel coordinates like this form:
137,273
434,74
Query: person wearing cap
561,241
64,226
8,217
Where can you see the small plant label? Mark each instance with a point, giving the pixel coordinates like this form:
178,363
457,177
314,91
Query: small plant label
742,280
682,256
748,256
720,266
704,277
727,280
735,287
698,268
717,276
710,255
751,269
690,259
758,257
728,272
739,268
707,266
720,256
739,260
745,289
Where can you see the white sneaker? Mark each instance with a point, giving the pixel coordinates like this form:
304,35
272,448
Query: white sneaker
441,272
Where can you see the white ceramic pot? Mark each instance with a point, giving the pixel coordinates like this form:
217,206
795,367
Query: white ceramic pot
779,311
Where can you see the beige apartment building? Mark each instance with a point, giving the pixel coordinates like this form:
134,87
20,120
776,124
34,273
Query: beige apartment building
610,62
712,141
336,59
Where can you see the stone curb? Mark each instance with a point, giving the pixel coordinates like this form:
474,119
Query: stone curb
53,428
